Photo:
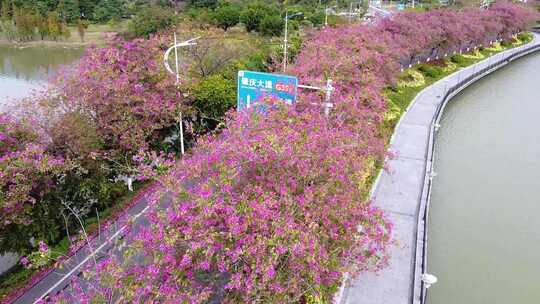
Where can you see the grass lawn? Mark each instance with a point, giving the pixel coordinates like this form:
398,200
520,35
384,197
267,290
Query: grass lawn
94,35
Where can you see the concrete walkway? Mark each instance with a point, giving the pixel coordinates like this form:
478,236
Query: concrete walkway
403,193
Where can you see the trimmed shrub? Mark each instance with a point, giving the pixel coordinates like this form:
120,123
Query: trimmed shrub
459,60
214,96
430,70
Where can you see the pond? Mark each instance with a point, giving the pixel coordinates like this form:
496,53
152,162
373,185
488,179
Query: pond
484,231
23,70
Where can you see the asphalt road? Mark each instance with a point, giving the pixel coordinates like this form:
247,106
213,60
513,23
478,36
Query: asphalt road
60,277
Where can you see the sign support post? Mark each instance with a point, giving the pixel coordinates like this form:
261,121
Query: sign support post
328,100
255,86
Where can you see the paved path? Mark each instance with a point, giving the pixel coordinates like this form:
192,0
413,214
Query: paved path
403,193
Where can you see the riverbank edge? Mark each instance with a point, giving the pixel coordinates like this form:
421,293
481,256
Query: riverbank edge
44,44
421,256
409,181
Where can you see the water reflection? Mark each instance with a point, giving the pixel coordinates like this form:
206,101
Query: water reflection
484,232
23,70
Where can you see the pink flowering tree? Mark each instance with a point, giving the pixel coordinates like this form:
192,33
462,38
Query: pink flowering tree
125,92
277,214
275,208
113,117
27,171
513,18
438,31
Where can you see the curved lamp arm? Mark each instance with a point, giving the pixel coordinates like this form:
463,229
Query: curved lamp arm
167,53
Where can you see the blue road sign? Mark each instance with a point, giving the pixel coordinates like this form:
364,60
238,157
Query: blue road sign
253,86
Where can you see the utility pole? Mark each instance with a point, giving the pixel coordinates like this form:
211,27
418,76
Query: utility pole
325,15
287,17
326,10
350,13
328,99
285,42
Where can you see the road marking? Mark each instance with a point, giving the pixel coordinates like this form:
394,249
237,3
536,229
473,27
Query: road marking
115,235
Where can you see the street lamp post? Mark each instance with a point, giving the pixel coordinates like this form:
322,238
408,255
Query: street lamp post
175,48
326,10
326,16
350,13
287,17
177,73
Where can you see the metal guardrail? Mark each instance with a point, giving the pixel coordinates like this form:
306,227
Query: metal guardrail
449,93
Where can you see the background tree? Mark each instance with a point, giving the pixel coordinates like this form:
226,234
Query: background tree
87,7
25,22
65,32
53,25
43,27
150,20
252,16
106,10
82,25
271,25
226,15
203,3
5,11
69,10
212,55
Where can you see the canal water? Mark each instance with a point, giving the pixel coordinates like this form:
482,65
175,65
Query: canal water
23,70
484,225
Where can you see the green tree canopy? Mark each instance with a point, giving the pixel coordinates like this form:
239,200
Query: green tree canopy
226,15
69,10
253,15
150,20
214,96
203,3
108,9
271,25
